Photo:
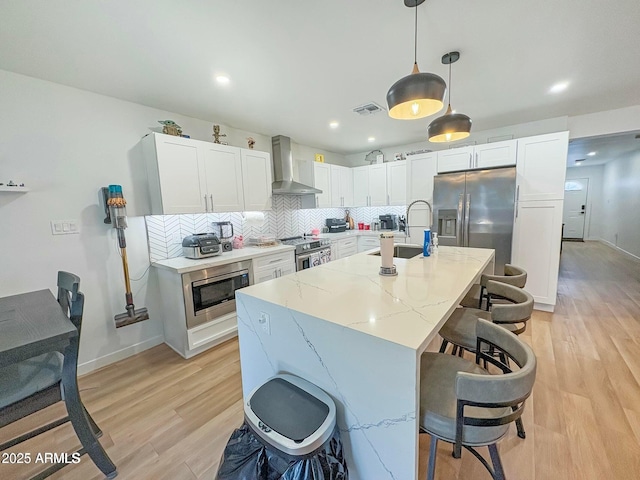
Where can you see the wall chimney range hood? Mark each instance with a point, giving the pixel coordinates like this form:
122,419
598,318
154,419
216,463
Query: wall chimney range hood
283,170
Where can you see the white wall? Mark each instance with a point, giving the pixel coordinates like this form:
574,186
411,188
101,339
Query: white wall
303,152
605,123
621,202
65,144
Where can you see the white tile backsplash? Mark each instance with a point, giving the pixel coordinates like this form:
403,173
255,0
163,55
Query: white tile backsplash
286,219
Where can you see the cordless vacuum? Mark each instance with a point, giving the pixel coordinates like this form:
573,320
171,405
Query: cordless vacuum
117,216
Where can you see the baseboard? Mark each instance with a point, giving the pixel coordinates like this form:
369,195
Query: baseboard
615,247
545,307
90,366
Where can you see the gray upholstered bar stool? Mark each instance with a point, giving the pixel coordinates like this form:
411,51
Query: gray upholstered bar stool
513,275
461,403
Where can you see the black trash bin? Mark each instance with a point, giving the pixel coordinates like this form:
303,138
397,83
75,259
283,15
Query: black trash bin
289,433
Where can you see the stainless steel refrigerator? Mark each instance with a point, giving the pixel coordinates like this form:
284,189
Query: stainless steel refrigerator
475,209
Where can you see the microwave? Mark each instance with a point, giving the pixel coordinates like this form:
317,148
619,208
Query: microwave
210,293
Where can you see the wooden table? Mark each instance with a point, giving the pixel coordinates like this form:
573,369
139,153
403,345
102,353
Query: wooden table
33,324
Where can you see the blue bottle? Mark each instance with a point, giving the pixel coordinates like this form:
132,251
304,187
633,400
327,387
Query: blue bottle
427,243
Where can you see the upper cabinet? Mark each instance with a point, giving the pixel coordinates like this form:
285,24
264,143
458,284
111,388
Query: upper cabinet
191,176
341,186
542,166
361,186
421,169
397,183
498,154
322,180
370,185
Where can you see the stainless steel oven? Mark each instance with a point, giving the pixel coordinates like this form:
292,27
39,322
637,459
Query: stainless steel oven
313,258
211,293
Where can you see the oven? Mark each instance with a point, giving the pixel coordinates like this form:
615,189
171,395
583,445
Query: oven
211,293
313,258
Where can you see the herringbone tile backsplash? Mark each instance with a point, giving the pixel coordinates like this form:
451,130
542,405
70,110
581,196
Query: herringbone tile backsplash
286,219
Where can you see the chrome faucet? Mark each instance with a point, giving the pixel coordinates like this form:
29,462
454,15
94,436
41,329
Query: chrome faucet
409,208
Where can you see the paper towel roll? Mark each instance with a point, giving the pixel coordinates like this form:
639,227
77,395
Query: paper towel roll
253,219
386,249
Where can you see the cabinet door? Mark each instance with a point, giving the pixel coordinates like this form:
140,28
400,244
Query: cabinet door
264,275
455,160
367,243
420,172
256,180
397,182
223,176
541,166
322,180
336,191
378,185
361,186
499,154
536,247
346,186
179,163
287,269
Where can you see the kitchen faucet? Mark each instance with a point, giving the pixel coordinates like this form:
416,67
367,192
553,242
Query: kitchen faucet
409,208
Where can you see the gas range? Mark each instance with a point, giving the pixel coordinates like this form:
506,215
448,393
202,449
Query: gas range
307,244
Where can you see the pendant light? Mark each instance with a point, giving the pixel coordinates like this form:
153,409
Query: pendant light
417,95
451,126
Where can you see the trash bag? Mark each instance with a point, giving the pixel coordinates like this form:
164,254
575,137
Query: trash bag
246,457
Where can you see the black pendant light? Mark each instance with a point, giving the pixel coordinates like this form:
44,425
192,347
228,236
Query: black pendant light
451,126
417,95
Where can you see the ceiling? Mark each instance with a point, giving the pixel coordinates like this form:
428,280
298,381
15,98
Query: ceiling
606,148
297,65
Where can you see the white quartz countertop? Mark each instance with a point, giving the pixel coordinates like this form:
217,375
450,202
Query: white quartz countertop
407,309
184,265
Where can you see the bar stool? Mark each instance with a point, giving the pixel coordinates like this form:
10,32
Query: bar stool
513,275
461,403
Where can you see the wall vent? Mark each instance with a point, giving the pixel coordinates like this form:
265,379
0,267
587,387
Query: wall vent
368,109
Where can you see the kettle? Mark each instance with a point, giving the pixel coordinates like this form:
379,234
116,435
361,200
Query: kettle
375,225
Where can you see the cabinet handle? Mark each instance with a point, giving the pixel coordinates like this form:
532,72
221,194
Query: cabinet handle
388,202
517,199
211,197
476,159
470,160
206,205
317,203
280,272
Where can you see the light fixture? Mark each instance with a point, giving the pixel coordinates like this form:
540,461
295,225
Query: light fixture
559,87
417,95
334,124
371,139
451,126
579,162
591,154
222,79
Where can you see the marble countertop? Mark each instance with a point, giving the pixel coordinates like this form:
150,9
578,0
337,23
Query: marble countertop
360,233
184,265
407,309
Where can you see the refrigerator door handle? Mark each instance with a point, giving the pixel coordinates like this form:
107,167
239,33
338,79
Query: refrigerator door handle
466,219
459,240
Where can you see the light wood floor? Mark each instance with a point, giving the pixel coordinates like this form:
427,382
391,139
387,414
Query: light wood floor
167,418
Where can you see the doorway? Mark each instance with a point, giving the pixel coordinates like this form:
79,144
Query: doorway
574,212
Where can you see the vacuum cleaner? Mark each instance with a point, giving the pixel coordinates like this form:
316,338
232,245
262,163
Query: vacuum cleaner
116,212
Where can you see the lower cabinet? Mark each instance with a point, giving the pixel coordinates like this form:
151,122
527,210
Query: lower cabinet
367,243
273,266
347,247
536,248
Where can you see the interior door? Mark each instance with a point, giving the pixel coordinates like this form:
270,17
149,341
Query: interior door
489,204
575,207
448,209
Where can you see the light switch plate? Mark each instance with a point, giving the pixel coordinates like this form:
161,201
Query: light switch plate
65,227
265,322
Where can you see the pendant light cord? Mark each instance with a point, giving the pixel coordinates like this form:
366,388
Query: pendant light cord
415,38
450,83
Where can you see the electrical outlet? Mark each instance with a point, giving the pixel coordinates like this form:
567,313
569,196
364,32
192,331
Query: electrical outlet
64,227
265,322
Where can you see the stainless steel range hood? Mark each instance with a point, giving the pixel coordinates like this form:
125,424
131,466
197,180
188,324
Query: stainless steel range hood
283,170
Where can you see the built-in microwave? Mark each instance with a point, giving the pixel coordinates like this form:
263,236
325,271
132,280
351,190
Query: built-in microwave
211,293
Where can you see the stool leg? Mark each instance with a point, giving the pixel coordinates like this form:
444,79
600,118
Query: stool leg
94,426
520,427
431,467
498,471
443,347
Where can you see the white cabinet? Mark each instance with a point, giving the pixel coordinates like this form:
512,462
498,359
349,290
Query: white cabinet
222,177
366,242
542,166
370,186
341,186
174,170
191,176
322,180
256,180
273,266
346,247
421,169
397,183
490,155
536,248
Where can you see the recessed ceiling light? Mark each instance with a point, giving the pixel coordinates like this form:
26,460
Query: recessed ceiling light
222,79
591,154
559,87
372,139
334,124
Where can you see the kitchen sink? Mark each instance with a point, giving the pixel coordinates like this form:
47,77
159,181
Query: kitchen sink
404,251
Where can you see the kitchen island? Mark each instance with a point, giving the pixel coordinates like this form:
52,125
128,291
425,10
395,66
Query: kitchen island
359,336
